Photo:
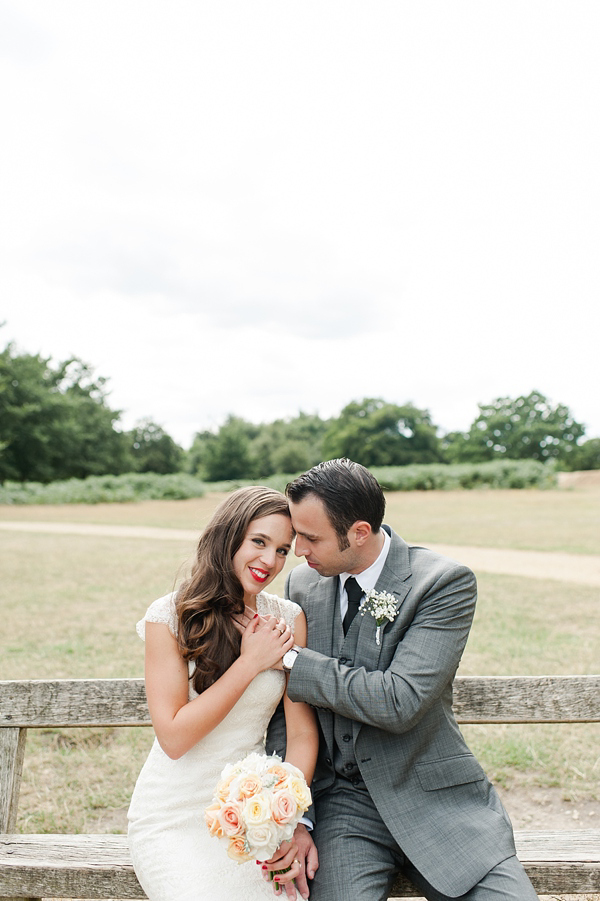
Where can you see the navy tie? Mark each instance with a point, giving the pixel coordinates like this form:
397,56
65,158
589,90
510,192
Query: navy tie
355,593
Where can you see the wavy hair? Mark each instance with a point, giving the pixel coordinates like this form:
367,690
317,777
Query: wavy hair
206,602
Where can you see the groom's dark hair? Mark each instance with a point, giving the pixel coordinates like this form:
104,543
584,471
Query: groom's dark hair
349,492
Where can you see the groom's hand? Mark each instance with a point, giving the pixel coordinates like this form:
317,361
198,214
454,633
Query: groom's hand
308,856
301,855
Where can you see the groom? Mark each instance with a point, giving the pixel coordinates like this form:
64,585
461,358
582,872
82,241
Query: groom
396,787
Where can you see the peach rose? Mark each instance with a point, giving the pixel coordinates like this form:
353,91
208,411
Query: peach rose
211,818
223,787
249,786
283,806
230,818
237,850
280,774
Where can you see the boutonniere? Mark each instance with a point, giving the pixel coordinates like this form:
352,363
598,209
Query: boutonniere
381,605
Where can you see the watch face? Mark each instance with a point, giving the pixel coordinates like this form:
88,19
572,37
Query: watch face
289,657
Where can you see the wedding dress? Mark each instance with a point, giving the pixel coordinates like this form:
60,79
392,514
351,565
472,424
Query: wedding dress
173,855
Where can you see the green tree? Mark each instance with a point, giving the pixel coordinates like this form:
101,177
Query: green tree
55,422
227,454
289,445
291,456
376,433
586,456
525,427
153,450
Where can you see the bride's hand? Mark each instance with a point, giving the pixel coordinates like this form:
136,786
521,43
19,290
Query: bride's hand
265,640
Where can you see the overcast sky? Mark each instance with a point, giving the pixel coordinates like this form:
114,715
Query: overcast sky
271,206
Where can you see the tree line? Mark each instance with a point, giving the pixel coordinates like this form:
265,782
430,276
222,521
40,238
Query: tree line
56,423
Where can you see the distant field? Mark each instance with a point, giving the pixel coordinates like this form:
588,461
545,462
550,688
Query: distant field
70,604
552,520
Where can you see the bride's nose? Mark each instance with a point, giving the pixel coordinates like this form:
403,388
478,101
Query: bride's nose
268,556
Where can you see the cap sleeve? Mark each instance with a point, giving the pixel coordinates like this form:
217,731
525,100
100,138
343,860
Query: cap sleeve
280,607
159,611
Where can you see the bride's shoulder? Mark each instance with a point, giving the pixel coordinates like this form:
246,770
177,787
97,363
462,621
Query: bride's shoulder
160,611
276,606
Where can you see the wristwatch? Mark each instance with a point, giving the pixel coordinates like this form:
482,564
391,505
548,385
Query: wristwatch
289,658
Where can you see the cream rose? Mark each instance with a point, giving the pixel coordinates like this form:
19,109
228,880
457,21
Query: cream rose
257,809
301,792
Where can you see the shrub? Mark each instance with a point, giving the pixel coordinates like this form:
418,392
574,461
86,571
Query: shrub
104,489
494,474
179,486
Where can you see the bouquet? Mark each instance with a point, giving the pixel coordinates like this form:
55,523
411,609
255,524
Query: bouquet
257,805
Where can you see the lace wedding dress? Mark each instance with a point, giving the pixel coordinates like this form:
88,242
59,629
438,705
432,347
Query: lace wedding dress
173,855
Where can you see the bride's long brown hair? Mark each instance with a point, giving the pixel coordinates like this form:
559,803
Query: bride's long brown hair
206,602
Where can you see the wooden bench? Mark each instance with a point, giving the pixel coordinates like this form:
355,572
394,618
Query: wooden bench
98,866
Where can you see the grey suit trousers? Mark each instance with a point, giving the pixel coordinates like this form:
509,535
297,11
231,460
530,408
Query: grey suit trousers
358,862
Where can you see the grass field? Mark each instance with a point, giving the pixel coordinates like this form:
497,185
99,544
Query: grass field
555,520
70,602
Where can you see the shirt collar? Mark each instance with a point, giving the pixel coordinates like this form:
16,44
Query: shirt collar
367,579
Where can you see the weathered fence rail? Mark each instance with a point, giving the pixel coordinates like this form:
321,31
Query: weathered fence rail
33,867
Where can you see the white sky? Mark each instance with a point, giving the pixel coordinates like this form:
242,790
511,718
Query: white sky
271,206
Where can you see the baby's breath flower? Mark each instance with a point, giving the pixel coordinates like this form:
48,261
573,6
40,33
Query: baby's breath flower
381,605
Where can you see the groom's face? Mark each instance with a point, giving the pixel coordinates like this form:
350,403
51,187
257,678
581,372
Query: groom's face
317,540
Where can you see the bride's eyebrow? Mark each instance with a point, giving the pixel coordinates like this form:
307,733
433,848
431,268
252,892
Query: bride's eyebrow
266,537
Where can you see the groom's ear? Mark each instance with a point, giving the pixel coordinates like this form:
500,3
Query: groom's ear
361,531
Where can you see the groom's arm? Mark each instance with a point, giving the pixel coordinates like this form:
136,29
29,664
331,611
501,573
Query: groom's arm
424,663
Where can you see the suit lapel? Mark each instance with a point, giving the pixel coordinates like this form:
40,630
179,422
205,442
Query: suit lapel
322,599
394,579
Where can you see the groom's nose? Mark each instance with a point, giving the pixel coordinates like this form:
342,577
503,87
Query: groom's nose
300,547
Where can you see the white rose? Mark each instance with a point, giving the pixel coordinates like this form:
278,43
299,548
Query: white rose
263,839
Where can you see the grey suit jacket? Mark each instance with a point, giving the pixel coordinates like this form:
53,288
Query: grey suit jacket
426,784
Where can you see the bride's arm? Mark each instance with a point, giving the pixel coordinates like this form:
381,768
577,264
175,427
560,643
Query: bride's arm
302,737
178,723
302,744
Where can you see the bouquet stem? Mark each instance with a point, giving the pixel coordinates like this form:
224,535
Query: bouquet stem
273,873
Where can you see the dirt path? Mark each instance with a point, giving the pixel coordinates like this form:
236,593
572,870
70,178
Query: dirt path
580,568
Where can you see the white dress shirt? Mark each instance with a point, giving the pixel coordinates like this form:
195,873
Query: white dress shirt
366,579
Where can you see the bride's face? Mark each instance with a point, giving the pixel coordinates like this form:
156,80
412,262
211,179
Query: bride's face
261,556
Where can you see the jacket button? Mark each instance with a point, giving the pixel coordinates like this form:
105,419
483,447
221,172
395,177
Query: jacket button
343,660
348,766
355,780
346,737
328,761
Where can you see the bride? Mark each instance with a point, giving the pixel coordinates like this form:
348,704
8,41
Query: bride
213,681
